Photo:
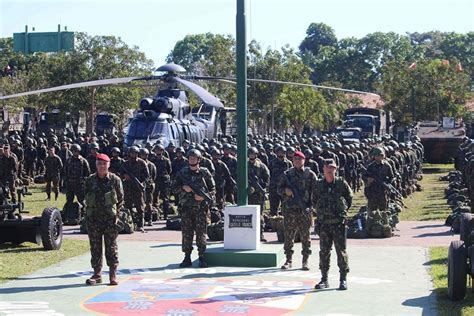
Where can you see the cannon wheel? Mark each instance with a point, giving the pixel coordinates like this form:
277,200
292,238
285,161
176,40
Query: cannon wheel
51,229
457,270
465,231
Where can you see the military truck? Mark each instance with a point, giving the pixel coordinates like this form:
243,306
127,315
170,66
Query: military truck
372,122
105,124
461,259
46,229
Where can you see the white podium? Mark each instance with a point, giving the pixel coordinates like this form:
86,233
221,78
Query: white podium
242,227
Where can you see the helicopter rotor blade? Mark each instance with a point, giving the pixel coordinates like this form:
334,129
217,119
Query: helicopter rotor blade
225,79
93,83
203,94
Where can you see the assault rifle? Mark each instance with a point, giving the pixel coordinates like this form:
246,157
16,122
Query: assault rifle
199,190
297,199
255,183
389,187
135,180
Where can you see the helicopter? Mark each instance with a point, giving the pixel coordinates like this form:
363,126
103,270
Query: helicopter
167,117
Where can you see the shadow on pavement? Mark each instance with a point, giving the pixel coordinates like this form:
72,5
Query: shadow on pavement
427,303
16,290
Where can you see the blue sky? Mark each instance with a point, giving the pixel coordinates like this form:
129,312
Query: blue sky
155,26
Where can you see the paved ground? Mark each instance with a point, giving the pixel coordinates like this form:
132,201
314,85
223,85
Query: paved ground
383,280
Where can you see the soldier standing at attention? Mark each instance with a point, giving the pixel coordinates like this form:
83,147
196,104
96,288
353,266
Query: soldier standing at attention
115,161
149,184
77,170
162,179
104,196
9,171
333,198
277,167
53,166
196,189
135,173
297,188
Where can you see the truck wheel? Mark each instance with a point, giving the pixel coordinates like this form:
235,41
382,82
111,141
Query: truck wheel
51,229
465,230
457,270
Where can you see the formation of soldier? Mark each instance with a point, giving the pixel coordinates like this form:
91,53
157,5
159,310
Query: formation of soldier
465,164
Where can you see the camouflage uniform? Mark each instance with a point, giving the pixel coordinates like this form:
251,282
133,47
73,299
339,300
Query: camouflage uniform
30,161
116,165
258,173
103,197
296,218
193,213
377,196
134,196
221,177
277,168
332,202
231,163
77,170
53,166
162,183
8,174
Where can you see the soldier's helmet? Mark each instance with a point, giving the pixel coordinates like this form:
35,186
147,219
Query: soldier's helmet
317,150
144,151
180,150
377,151
346,147
94,146
280,149
215,151
308,153
325,145
291,149
195,153
115,150
252,151
75,147
133,149
159,147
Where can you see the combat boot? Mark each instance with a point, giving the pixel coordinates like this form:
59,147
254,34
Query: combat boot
48,197
287,264
55,196
342,282
113,275
186,261
262,237
202,262
305,265
96,278
323,284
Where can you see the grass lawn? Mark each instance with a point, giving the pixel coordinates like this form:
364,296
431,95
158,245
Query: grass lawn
36,202
439,271
20,260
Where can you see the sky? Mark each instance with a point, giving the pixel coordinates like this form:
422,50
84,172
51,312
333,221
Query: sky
156,25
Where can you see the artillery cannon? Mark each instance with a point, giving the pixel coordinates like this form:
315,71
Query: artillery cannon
461,259
46,229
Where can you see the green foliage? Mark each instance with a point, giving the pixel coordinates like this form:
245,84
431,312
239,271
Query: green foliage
434,88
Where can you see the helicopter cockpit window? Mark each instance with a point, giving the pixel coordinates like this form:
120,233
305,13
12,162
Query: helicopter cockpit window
204,111
160,129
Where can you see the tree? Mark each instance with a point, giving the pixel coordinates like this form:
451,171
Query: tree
318,35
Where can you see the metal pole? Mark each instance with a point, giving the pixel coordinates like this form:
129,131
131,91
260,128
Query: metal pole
26,39
59,38
242,179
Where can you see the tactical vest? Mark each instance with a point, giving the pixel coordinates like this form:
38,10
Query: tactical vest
289,203
110,206
331,206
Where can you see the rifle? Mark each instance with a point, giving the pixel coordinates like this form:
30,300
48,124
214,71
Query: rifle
386,185
254,183
135,180
296,199
199,190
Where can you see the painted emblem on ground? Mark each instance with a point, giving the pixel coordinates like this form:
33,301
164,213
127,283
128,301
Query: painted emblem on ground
151,296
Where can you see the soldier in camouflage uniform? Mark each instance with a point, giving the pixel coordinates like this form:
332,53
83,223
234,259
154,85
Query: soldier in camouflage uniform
231,163
277,167
149,183
116,161
378,171
194,206
30,159
94,150
259,179
77,170
333,199
53,166
162,179
221,177
297,213
135,173
8,171
104,197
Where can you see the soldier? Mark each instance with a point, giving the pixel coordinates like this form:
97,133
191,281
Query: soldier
115,161
42,153
64,153
310,163
259,179
378,172
135,173
104,196
277,167
149,184
30,159
297,188
162,179
196,190
9,171
77,170
333,199
221,177
178,163
231,163
53,166
94,150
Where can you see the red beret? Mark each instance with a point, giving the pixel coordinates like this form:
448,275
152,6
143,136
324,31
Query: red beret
299,154
102,157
